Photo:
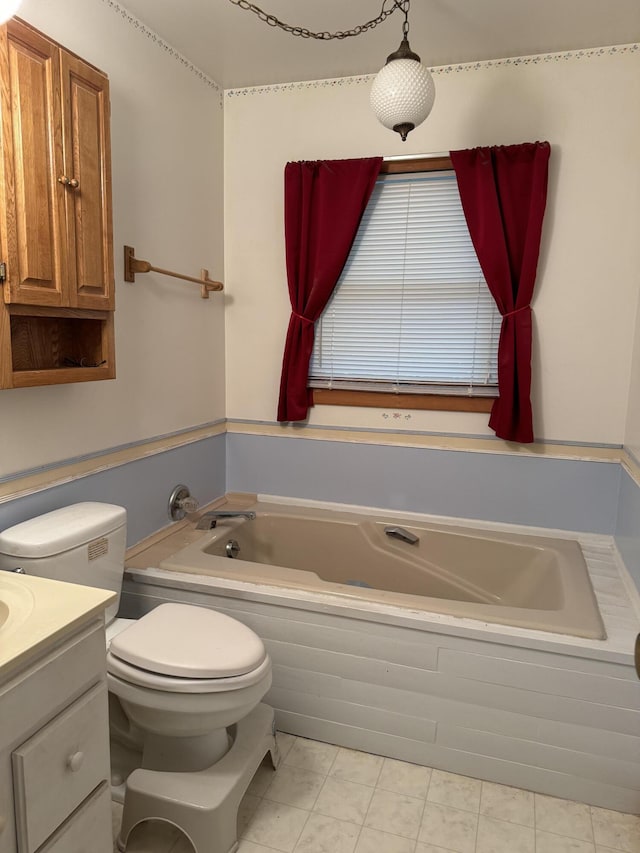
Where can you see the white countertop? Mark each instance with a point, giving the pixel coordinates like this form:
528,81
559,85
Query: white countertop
36,611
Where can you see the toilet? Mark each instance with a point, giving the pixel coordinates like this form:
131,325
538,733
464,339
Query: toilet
189,680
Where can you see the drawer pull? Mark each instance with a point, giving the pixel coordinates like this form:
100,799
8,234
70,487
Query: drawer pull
74,762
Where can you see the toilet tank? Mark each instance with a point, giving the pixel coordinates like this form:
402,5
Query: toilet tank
83,543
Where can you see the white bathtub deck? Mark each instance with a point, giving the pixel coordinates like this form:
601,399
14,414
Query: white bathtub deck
550,713
617,596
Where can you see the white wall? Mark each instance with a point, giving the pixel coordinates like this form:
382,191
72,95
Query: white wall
167,151
584,103
632,435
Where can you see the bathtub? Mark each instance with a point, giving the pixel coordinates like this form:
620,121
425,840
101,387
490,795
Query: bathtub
386,668
525,581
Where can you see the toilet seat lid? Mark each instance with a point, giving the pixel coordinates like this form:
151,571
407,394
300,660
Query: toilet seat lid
186,641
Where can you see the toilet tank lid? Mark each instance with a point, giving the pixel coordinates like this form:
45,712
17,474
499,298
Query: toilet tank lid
61,530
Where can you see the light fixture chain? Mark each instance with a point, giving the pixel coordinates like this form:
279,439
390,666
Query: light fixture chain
272,21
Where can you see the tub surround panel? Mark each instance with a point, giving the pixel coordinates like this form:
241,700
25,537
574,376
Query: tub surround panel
548,678
454,760
407,720
374,661
437,698
142,486
595,770
556,493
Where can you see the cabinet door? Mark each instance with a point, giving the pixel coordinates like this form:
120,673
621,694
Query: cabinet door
87,157
33,201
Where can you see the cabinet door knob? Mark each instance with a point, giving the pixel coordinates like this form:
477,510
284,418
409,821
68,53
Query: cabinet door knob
74,183
74,762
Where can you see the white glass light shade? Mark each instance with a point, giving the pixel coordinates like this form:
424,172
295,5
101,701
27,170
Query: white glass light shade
402,93
8,9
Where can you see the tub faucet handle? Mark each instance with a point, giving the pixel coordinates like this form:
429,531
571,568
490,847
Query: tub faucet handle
181,502
396,532
188,504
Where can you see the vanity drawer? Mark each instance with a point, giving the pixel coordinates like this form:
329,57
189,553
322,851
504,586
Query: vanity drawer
88,828
57,768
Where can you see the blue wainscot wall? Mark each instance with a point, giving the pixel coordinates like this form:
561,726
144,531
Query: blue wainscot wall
627,533
541,491
142,486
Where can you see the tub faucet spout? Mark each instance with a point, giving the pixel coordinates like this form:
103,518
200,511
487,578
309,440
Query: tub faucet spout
209,520
400,533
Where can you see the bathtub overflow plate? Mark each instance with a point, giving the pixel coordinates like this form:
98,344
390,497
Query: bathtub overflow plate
232,548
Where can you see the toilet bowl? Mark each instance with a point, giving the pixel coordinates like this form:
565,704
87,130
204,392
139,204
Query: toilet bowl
184,675
189,679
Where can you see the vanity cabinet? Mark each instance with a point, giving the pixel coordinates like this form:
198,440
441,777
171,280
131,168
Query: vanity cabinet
55,794
56,241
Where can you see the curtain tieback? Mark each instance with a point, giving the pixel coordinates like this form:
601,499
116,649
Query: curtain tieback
304,319
515,311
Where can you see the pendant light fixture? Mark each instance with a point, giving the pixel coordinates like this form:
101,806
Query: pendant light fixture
403,92
8,9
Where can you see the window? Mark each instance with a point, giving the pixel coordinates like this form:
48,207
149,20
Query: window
411,314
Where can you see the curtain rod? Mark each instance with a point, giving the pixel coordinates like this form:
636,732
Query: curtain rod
432,154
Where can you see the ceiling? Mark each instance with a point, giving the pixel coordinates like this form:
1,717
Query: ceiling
236,49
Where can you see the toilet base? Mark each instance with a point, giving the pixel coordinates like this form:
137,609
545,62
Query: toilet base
203,804
184,754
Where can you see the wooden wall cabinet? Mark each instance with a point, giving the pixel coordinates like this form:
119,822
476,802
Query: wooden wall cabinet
56,238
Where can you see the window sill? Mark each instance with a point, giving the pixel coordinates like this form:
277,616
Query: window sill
382,400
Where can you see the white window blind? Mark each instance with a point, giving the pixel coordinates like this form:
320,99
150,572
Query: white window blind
411,312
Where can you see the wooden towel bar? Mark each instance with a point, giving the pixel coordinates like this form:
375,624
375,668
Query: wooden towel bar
133,265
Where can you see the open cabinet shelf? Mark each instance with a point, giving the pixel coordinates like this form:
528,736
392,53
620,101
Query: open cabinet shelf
58,346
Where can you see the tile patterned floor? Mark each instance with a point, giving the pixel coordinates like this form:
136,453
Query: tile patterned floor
324,799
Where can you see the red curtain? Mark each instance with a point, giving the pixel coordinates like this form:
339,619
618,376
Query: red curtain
323,205
504,191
